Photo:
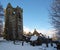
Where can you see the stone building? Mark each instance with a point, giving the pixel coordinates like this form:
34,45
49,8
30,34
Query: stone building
13,22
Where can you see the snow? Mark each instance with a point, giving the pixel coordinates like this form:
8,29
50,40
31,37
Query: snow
1,38
8,45
33,38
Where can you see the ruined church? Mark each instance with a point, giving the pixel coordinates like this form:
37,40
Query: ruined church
13,22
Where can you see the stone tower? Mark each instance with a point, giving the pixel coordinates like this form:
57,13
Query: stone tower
13,22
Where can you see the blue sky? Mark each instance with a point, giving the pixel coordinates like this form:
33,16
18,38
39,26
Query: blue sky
35,12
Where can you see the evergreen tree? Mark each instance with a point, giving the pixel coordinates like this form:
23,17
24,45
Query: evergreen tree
35,32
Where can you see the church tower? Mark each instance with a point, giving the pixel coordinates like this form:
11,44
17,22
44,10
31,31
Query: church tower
13,22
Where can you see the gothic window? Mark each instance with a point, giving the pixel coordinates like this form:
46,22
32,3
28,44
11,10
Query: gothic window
8,9
13,12
19,27
19,15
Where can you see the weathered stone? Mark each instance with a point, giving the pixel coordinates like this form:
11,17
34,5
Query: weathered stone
13,22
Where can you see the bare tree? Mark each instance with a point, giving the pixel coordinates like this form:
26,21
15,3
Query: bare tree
55,16
1,19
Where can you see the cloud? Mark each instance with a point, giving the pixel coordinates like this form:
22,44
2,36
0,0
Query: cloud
26,29
48,32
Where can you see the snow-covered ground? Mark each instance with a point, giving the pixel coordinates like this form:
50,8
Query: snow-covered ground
8,45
